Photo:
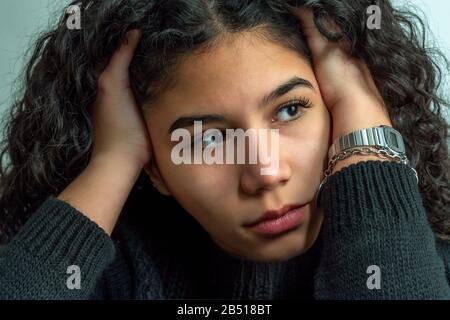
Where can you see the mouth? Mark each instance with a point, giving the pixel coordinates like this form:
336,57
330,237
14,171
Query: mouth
281,220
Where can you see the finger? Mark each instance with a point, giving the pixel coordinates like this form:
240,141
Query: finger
316,40
117,69
123,56
306,18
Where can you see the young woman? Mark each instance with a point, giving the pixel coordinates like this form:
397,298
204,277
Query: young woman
92,133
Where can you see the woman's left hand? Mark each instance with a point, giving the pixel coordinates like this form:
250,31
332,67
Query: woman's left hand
346,85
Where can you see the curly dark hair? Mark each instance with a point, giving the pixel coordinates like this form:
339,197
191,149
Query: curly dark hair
47,133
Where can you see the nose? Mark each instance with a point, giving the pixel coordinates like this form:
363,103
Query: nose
253,182
276,167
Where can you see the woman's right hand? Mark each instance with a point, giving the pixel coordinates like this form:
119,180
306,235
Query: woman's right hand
118,124
121,145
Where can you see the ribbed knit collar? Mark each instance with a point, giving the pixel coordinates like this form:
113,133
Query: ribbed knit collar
205,271
235,278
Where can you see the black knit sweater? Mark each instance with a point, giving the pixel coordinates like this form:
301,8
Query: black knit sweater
373,216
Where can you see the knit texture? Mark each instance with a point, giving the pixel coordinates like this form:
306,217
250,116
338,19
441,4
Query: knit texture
373,217
35,263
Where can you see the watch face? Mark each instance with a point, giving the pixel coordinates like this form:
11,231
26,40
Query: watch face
394,139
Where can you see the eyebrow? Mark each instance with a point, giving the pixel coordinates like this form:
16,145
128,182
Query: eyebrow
189,121
282,89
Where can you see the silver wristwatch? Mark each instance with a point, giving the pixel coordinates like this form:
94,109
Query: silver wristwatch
381,137
383,140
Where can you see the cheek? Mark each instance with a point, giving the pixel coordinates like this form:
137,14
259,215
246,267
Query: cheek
205,192
199,188
306,144
306,157
201,180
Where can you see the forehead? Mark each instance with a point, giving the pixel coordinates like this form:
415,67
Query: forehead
237,71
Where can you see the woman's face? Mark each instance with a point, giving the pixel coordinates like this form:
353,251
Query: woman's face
230,83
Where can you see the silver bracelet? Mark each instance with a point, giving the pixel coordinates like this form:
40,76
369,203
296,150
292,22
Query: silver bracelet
380,152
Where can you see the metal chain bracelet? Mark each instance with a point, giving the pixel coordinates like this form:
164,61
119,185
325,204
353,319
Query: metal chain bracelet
382,153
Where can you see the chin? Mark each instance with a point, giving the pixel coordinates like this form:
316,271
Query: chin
271,250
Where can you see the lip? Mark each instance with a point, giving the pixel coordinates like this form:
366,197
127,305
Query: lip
280,220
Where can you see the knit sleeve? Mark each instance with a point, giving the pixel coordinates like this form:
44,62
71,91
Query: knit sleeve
58,254
377,242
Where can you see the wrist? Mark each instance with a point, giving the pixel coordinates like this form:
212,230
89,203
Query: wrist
356,115
101,190
117,160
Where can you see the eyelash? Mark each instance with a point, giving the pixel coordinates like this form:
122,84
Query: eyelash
297,101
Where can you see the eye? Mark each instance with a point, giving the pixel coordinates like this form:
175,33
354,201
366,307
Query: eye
208,139
291,110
